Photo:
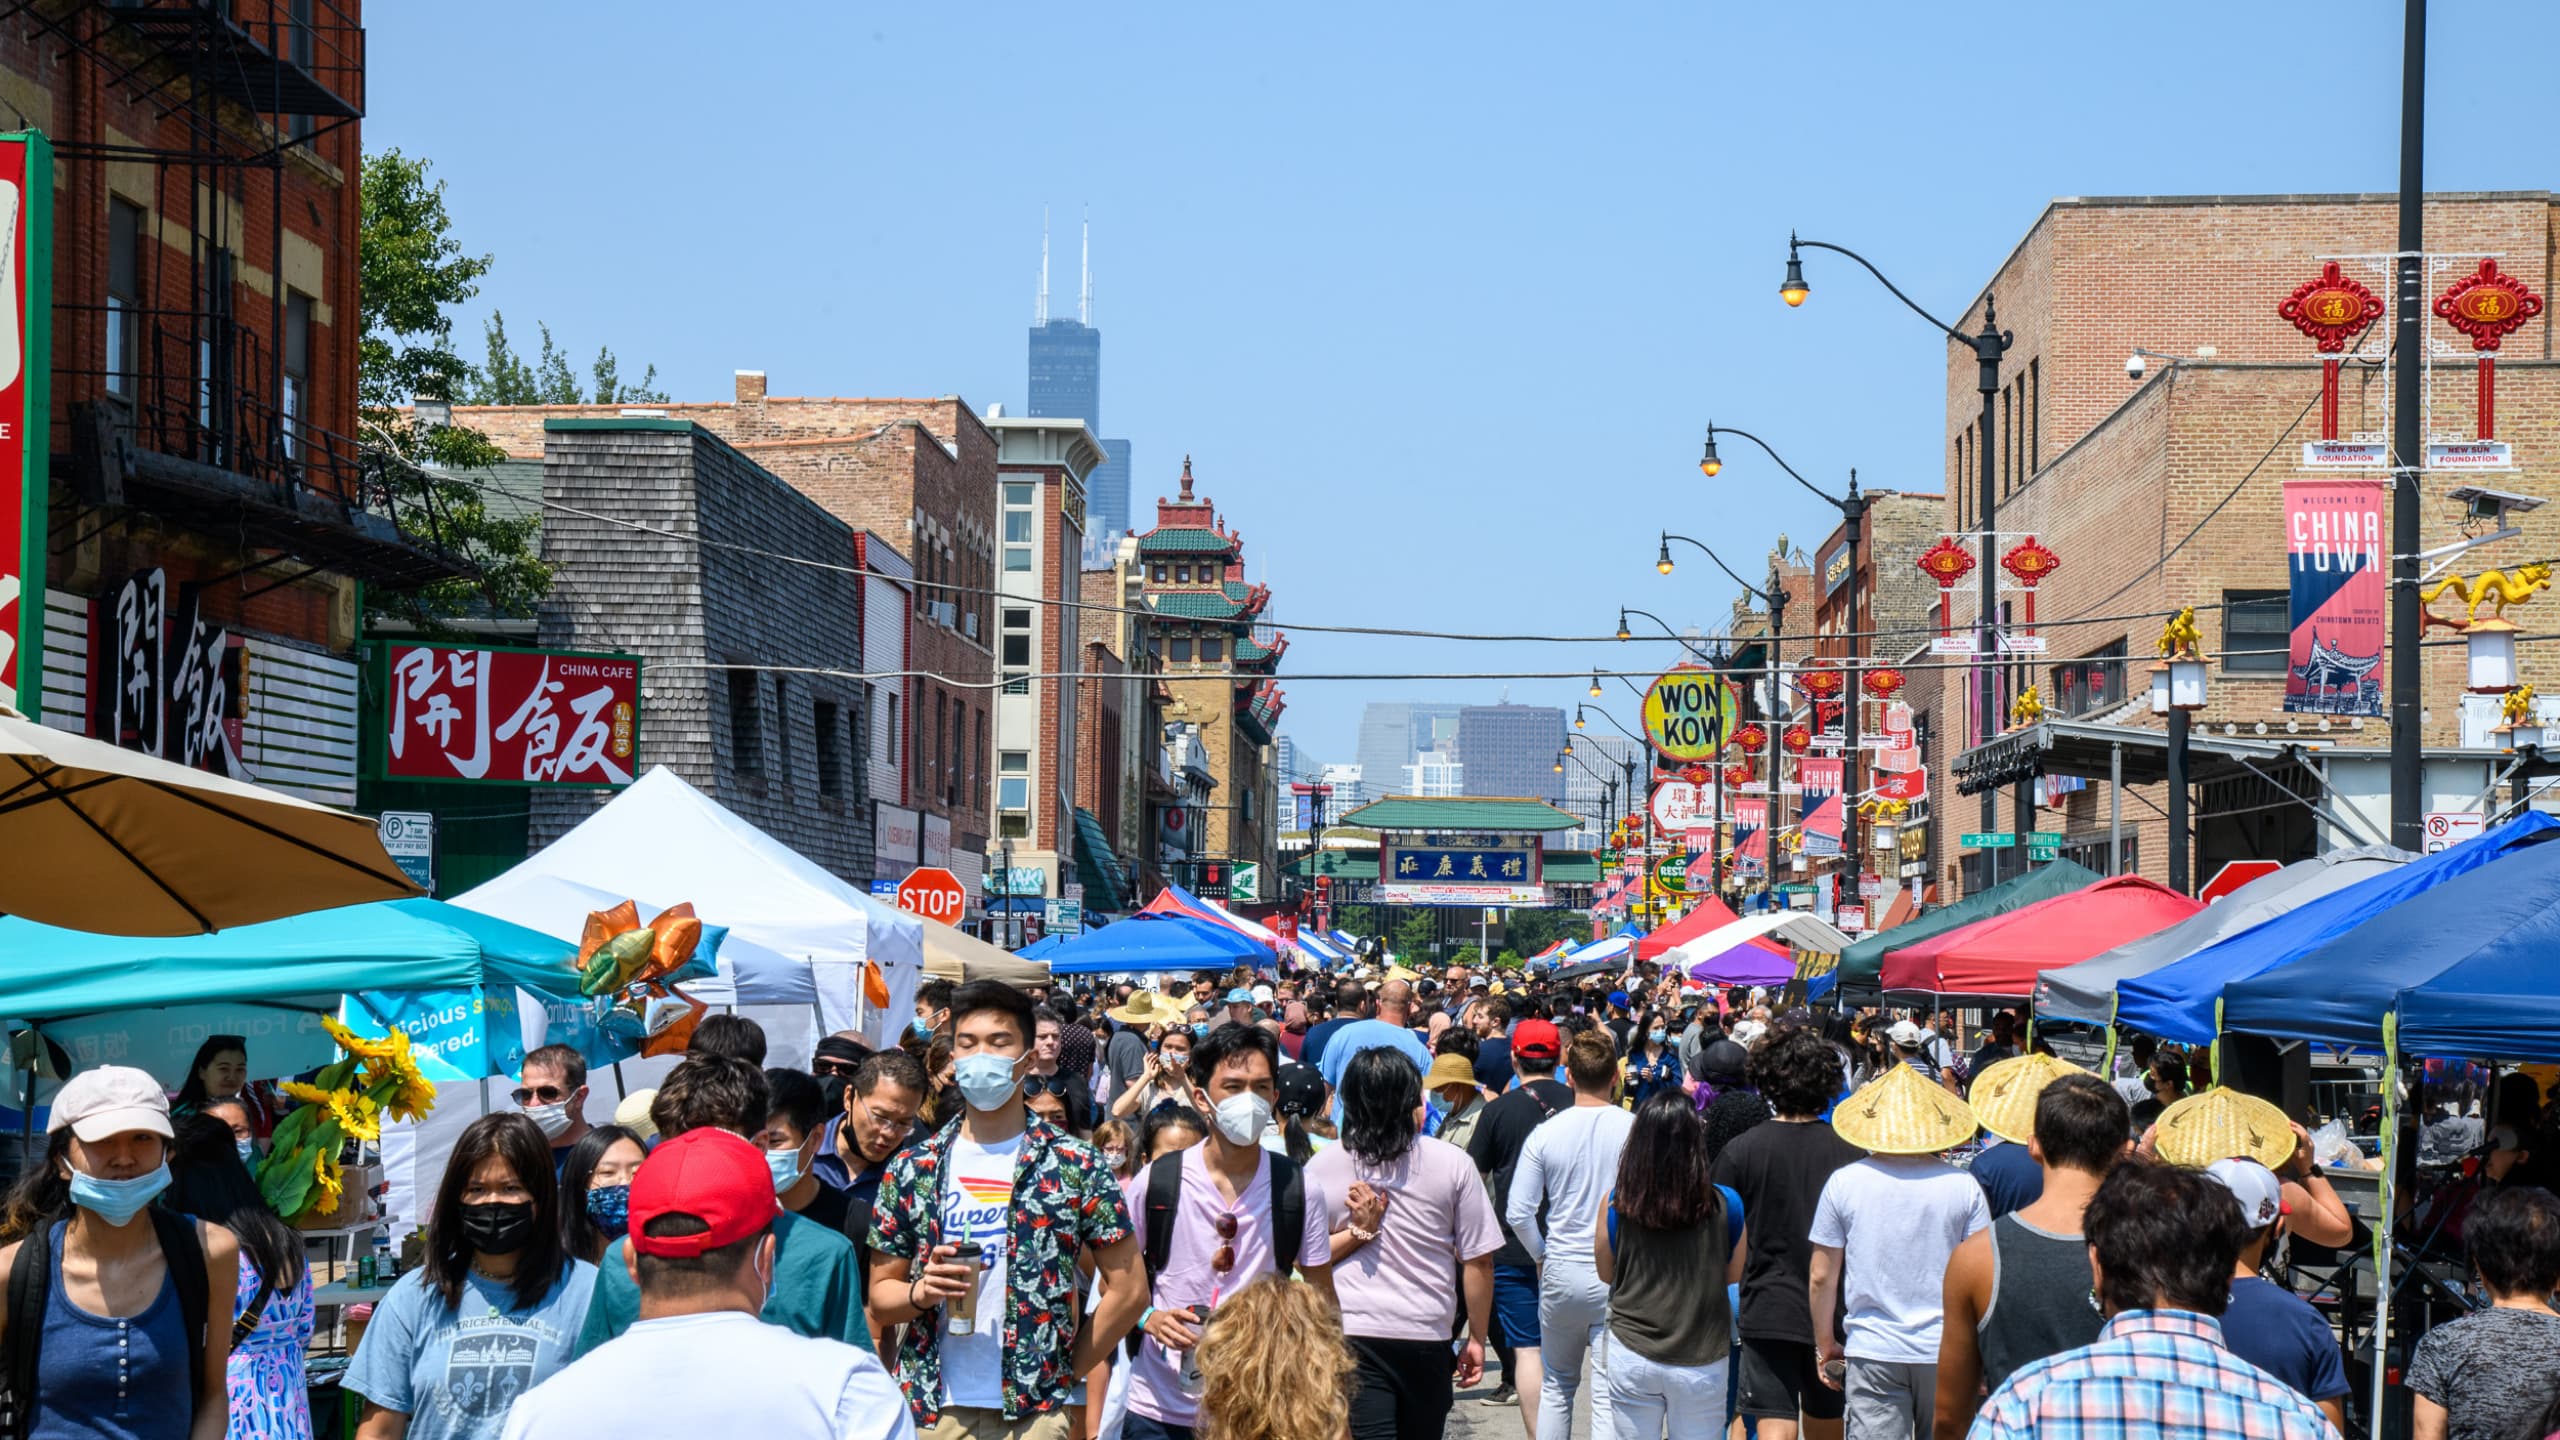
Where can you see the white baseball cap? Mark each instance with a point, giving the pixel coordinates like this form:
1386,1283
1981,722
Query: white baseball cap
1906,1034
1261,994
110,1100
2260,1193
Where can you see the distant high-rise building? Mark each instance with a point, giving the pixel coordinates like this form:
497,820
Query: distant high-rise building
1437,773
1291,762
1392,733
1066,384
1511,750
1603,758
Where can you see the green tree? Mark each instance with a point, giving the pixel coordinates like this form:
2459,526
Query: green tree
505,377
611,391
1416,936
411,274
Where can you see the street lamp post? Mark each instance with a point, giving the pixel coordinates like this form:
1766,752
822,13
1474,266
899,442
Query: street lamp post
1989,345
1853,511
1775,597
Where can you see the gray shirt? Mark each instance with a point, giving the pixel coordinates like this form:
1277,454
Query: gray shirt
2492,1372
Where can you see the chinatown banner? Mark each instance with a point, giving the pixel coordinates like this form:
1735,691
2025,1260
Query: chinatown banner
26,354
510,717
2333,539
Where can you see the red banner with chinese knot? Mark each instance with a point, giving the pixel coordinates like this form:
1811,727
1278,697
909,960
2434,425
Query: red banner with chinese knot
522,717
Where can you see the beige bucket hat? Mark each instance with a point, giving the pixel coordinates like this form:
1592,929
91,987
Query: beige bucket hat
2004,1094
1899,1113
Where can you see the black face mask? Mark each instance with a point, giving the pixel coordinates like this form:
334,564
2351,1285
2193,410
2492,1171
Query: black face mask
498,1228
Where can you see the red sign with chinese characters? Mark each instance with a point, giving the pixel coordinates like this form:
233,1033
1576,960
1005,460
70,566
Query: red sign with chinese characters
514,717
26,375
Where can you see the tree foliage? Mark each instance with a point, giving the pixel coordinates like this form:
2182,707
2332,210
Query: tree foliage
505,377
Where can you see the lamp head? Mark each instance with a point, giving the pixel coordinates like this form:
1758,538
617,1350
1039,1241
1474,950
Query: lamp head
1559,764
1578,721
1595,694
1793,289
1623,632
1708,464
1662,562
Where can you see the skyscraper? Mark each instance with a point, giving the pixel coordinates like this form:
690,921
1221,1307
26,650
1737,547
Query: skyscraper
1066,384
1511,750
1392,732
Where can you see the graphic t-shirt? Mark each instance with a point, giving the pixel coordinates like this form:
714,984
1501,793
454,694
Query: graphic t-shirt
977,1204
454,1370
2492,1371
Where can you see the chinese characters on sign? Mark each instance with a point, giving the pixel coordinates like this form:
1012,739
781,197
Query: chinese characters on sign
172,688
1480,867
511,716
26,370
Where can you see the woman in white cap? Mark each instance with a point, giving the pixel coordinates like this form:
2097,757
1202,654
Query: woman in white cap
120,1326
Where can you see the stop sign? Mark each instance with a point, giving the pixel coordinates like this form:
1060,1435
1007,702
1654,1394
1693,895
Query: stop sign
934,893
2234,875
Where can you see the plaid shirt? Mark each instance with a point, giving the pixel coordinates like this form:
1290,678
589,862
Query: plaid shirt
1065,1201
2149,1374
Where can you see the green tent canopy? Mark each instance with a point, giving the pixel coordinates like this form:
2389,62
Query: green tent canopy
1862,964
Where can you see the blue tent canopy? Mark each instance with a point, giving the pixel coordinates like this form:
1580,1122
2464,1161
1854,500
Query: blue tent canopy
2496,1003
1156,942
2176,1001
2339,992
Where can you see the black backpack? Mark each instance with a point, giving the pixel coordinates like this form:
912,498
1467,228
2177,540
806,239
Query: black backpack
1164,1197
31,1286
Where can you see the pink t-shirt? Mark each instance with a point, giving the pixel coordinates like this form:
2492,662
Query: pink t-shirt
1404,1284
1187,1279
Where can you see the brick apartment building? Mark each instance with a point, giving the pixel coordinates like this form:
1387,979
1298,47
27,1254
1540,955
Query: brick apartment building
922,474
210,520
1041,466
2166,491
1216,657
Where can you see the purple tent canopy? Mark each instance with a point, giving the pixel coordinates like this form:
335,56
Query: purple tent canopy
1745,964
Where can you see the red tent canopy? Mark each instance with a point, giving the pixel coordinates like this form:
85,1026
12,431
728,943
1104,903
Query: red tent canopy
2001,955
1711,913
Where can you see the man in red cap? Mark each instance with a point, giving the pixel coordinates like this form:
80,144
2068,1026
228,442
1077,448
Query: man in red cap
1536,1046
701,1250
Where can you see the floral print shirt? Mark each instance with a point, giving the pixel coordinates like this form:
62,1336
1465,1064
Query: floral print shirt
1064,1200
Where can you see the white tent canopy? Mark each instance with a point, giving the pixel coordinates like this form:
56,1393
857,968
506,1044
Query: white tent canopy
798,934
1798,928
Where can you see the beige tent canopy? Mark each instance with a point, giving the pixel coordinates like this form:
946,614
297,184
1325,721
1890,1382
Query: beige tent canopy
953,955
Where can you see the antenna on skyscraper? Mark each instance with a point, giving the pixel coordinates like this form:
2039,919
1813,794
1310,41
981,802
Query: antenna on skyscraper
1084,301
1040,311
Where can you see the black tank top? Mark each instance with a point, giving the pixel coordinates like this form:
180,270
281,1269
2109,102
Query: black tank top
2041,1298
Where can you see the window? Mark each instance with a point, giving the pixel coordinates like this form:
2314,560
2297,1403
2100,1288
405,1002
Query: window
1015,653
977,796
2035,416
746,726
1182,648
1182,574
1013,780
782,728
1018,524
890,730
1212,648
2095,682
296,400
941,740
830,750
210,362
124,296
1159,572
1246,796
2008,437
2257,631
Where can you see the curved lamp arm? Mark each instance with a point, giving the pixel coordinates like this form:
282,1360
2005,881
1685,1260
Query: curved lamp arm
1795,276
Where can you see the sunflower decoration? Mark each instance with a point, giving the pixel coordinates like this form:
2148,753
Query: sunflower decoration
303,1173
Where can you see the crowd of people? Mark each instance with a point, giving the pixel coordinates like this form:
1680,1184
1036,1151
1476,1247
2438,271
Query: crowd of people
1267,1207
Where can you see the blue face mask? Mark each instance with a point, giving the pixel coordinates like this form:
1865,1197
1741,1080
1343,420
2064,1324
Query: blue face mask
1657,1035
1201,1029
248,1152
922,1027
117,1201
610,1207
785,1165
985,1081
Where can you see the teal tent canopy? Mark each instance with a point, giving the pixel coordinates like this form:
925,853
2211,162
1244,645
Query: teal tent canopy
1861,966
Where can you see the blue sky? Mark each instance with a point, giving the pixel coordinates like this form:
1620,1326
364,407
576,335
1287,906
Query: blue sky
1440,306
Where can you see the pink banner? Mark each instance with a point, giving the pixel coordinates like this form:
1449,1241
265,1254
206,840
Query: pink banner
2333,540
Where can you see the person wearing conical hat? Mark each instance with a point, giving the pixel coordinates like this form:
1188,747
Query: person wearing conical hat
1882,1234
2220,1123
2017,1292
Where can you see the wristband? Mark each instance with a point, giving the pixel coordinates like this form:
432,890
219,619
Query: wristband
1149,1315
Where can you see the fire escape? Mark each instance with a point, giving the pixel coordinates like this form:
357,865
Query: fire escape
169,400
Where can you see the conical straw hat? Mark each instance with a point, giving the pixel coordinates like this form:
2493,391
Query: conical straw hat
2004,1094
2222,1124
1899,1113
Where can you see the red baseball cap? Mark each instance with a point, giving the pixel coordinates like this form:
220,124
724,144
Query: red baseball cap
712,1175
1534,1040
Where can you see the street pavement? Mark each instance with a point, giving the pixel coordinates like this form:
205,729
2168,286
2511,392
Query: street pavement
1475,1420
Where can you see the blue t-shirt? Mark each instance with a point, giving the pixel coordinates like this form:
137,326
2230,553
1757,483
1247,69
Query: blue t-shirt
2010,1178
1493,1064
1320,1035
454,1370
1362,1035
2278,1331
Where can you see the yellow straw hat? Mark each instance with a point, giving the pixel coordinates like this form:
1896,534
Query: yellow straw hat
1147,1007
633,1114
1400,972
1899,1113
2223,1124
2004,1094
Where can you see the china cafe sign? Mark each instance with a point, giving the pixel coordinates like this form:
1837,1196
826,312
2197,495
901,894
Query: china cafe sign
510,717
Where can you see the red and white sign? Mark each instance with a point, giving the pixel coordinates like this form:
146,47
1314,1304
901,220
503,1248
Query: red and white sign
26,370
1819,775
2445,829
1750,814
1903,785
2234,875
1852,919
1675,805
523,717
933,893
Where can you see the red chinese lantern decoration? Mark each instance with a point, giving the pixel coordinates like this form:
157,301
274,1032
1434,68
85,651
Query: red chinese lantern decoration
2332,310
1752,738
1797,740
1947,563
2488,306
1737,776
1697,774
1821,680
2030,561
1883,683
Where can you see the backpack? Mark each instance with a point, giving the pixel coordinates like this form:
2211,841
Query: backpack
1502,1174
31,1286
1164,1197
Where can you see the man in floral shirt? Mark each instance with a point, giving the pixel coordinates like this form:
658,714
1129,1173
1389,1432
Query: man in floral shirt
1033,1200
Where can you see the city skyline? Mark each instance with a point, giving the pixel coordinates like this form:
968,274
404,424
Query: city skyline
1063,381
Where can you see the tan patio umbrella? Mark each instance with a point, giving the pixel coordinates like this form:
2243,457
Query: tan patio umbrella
956,955
96,837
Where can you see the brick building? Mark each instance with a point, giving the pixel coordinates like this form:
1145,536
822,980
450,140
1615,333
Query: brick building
745,657
1206,639
1041,467
210,520
1119,737
922,474
2166,491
